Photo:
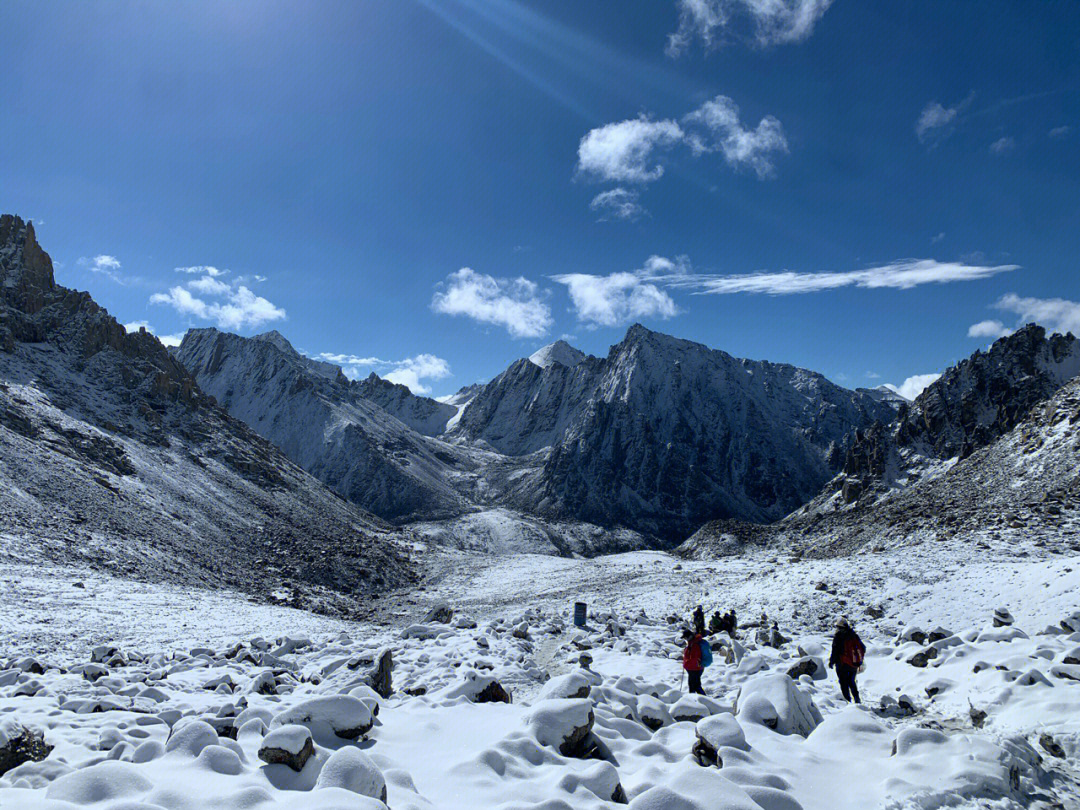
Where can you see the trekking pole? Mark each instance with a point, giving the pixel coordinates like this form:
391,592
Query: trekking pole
682,673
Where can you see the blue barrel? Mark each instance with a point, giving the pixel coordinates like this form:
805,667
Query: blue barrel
580,609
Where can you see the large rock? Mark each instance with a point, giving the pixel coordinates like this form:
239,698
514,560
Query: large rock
288,745
713,735
19,744
561,723
351,769
775,701
342,716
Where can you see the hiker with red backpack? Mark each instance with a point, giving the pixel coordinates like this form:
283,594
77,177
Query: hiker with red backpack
696,656
847,656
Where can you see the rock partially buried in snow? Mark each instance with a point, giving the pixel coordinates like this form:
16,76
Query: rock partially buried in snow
477,688
288,745
342,716
774,701
561,723
714,734
1002,617
19,744
351,769
570,685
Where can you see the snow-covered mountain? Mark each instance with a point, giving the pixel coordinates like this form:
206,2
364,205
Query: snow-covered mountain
112,456
666,433
558,352
968,407
365,440
657,437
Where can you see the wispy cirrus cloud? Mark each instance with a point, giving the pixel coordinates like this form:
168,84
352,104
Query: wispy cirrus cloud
515,304
937,122
228,305
104,265
608,300
410,372
1002,145
763,22
903,274
618,203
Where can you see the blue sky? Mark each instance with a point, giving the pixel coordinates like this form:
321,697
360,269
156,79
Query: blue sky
433,188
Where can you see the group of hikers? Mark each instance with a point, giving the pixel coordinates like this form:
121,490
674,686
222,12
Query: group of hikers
848,650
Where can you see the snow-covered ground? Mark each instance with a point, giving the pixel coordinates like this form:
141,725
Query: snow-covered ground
152,725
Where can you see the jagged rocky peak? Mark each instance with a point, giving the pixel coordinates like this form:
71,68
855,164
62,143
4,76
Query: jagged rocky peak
559,352
26,270
883,393
970,406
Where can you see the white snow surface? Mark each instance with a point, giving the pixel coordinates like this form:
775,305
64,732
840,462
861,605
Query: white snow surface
558,352
183,668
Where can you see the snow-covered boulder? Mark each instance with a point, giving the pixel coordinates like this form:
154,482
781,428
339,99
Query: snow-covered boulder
775,701
287,745
104,784
351,769
190,737
716,733
652,712
475,688
570,685
342,716
561,723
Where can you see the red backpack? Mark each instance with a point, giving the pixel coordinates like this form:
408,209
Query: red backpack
853,651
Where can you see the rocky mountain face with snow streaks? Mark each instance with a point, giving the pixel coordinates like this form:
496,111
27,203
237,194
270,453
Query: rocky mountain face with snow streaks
113,457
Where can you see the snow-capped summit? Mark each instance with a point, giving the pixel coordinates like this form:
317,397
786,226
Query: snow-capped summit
558,352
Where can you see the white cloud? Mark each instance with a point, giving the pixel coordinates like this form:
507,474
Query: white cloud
618,203
913,386
1059,132
208,285
741,147
1056,314
988,329
514,304
167,340
1002,145
239,307
935,239
202,270
410,372
901,275
937,121
773,21
629,151
624,151
105,265
622,297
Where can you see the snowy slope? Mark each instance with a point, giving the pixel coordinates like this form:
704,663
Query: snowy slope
558,352
335,429
110,455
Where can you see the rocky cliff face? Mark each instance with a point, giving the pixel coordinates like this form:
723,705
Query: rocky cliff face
969,407
333,428
671,433
111,456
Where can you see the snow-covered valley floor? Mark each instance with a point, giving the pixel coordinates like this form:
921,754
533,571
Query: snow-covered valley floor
189,687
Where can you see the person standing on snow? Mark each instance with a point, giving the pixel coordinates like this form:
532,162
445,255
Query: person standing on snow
847,656
699,621
693,661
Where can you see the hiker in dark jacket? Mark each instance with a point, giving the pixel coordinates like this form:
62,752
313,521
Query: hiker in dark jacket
716,623
699,620
691,661
847,656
